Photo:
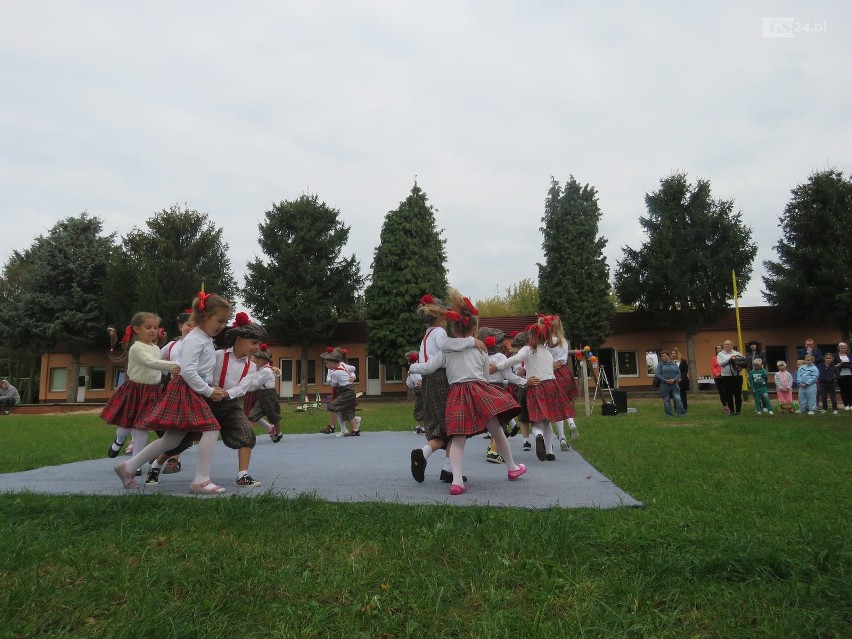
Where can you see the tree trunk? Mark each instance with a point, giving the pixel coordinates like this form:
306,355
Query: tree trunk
74,377
303,379
690,360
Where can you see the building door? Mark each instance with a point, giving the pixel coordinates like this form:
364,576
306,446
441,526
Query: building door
606,359
81,383
286,389
374,379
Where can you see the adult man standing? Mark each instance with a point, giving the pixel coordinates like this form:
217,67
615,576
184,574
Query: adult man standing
8,396
810,349
668,373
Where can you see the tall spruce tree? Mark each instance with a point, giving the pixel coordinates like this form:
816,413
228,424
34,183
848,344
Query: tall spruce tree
409,262
58,298
573,282
305,283
161,268
813,273
682,272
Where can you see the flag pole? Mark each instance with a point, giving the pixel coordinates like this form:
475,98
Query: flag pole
739,328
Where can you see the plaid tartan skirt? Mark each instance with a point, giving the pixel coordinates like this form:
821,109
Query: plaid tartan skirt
130,404
249,400
418,404
266,405
181,408
343,402
565,377
471,405
547,403
433,391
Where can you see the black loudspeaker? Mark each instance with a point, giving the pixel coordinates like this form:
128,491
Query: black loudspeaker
620,399
608,409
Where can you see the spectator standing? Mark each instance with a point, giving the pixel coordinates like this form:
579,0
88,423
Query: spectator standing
716,371
843,363
668,374
828,375
683,384
732,386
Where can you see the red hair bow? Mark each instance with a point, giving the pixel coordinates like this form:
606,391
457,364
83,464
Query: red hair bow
413,357
161,332
202,299
128,333
329,349
344,351
490,341
241,319
427,299
515,334
473,310
453,316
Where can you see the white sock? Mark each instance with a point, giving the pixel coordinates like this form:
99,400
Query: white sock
571,423
357,421
121,434
560,428
548,439
156,448
498,438
269,427
447,465
457,458
427,450
155,465
242,473
205,454
140,438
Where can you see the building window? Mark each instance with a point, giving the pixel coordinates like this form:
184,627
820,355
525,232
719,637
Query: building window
774,354
357,364
393,373
58,379
118,376
312,371
628,364
97,378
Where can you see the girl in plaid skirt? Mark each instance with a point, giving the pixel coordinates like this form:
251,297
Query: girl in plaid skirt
433,384
129,405
183,407
474,405
546,402
557,345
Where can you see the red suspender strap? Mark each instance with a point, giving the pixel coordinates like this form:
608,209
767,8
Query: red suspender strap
224,369
171,346
425,352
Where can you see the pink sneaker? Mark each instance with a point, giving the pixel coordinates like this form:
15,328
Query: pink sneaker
455,489
514,474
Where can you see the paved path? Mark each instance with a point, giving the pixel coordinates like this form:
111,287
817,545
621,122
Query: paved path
372,467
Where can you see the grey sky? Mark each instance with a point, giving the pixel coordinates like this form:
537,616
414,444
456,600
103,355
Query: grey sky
124,108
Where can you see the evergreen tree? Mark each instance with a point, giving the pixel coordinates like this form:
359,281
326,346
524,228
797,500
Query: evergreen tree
59,295
409,262
682,272
304,284
21,347
574,279
161,268
813,274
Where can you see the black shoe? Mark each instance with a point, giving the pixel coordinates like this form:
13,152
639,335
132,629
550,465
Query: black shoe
247,481
138,472
418,466
527,447
112,454
153,477
447,477
551,457
277,437
540,451
515,430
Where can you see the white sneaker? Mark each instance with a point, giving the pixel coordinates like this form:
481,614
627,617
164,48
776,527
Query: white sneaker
341,433
563,445
835,412
573,430
811,413
771,413
765,410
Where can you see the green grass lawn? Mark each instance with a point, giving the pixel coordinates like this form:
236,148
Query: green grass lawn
744,534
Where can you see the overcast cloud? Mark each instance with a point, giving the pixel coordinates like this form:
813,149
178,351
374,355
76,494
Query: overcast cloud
124,108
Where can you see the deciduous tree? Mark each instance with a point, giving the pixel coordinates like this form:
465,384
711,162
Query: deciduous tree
682,272
813,274
305,283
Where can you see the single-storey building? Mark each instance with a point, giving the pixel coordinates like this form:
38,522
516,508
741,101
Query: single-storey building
624,356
